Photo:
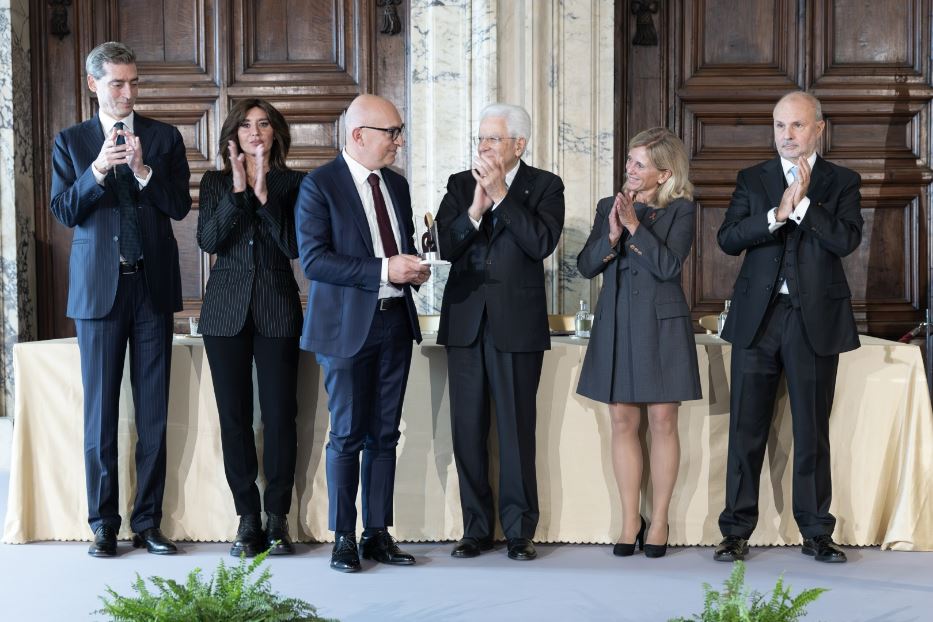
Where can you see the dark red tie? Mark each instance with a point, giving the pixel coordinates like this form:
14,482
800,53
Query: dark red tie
382,217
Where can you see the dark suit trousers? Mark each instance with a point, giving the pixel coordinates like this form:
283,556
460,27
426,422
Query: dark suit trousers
477,372
781,346
102,343
231,360
365,394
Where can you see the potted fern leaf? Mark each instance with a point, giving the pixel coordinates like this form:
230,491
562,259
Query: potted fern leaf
736,603
231,595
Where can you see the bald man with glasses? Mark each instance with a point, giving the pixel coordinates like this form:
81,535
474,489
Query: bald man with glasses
497,224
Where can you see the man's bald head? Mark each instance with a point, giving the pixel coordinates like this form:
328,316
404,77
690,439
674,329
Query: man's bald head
369,122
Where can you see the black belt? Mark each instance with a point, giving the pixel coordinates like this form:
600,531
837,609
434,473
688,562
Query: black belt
130,268
389,303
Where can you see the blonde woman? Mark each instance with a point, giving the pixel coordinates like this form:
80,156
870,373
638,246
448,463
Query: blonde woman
641,350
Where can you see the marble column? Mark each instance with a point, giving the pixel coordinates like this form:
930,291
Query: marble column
555,58
17,249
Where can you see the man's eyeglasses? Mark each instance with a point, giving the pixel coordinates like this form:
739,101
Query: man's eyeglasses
393,132
492,140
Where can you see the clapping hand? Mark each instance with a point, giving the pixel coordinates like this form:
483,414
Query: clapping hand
237,166
129,153
490,174
259,183
481,202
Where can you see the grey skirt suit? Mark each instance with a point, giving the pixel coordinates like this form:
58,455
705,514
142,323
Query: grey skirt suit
641,347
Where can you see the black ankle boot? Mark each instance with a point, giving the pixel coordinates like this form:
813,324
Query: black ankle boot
277,540
250,539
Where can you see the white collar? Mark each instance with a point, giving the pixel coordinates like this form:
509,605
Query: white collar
107,122
787,164
510,176
359,172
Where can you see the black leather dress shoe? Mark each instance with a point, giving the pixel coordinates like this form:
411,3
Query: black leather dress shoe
345,557
522,549
250,540
732,548
381,547
105,542
471,547
277,540
154,541
823,549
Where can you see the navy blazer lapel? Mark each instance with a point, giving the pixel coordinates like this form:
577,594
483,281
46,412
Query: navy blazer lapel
352,196
772,178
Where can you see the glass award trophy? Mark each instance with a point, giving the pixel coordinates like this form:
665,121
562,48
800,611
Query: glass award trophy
430,251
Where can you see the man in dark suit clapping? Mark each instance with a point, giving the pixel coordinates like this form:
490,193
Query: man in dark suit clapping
497,224
356,243
118,179
794,217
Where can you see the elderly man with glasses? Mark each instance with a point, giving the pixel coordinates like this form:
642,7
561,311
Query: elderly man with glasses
497,224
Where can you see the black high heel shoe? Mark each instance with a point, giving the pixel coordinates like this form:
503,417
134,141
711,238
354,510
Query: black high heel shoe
622,549
658,550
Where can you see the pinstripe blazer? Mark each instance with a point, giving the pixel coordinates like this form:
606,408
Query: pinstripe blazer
79,201
254,245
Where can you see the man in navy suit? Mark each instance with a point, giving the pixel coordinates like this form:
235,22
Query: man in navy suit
117,179
794,217
355,239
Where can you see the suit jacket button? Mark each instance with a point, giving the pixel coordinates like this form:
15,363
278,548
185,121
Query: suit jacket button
115,238
634,292
489,262
634,272
767,287
777,259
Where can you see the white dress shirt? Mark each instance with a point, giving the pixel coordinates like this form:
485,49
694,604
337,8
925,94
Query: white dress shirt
360,175
799,211
106,123
509,178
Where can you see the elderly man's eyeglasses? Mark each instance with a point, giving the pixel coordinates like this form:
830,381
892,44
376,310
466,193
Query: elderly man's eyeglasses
393,132
492,140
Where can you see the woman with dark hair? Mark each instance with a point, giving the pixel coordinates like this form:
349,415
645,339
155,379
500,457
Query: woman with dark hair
251,312
641,350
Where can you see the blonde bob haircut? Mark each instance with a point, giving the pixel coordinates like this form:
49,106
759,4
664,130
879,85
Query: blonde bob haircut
667,153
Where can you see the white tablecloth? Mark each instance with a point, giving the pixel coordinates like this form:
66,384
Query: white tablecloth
881,430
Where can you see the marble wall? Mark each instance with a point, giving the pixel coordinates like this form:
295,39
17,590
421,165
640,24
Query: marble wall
17,249
555,58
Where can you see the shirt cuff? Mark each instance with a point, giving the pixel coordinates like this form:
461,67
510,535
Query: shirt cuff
142,182
384,272
801,210
476,223
98,176
773,224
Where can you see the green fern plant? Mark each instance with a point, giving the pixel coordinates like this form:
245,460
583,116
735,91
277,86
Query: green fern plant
736,603
231,595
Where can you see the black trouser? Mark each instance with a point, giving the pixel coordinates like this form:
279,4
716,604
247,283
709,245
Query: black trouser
781,347
511,378
231,361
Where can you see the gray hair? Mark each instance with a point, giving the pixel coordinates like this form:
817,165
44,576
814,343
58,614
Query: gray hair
516,118
817,106
112,52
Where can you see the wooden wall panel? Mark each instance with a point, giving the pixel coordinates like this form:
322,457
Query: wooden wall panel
726,63
196,58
